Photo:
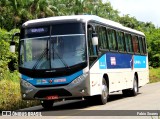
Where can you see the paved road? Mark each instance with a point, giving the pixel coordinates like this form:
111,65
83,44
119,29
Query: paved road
147,99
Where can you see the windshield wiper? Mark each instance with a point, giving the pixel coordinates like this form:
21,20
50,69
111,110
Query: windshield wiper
65,64
40,58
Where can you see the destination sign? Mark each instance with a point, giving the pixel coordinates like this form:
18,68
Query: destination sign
37,30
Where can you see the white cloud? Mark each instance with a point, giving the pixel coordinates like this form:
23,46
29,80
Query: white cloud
142,10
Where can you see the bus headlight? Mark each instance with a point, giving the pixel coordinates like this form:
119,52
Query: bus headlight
26,84
80,78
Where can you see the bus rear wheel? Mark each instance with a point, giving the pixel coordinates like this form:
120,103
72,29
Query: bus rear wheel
133,91
47,104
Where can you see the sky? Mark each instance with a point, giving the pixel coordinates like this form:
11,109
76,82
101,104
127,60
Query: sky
142,10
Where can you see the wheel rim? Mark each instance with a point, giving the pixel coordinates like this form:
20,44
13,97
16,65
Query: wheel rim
135,86
104,91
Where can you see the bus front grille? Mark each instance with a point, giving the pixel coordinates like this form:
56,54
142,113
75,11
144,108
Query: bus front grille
50,92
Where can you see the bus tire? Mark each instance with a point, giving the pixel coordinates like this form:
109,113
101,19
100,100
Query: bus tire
105,93
134,90
47,104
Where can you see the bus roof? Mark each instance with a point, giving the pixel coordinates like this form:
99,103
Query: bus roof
85,18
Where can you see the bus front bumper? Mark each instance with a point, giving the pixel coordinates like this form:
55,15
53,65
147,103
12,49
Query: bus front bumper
72,90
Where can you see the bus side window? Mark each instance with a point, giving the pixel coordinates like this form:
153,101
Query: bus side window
144,45
135,44
101,31
112,39
140,45
120,40
90,46
128,43
23,53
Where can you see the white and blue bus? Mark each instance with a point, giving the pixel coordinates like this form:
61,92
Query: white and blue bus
68,57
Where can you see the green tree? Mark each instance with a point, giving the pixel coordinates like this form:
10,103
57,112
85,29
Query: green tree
13,13
6,57
153,40
105,10
128,21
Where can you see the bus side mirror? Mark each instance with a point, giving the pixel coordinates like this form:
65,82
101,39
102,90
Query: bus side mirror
12,43
94,39
12,46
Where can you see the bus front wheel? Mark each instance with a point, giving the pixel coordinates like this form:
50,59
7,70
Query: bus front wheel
105,93
47,104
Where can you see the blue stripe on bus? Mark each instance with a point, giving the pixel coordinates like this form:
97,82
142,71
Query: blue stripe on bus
52,81
118,61
139,61
102,62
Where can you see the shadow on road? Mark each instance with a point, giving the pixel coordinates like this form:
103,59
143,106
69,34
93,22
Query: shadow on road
76,105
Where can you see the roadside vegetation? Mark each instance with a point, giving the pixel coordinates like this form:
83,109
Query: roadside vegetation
10,98
16,12
154,75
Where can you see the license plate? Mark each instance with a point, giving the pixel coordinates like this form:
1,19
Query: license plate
52,97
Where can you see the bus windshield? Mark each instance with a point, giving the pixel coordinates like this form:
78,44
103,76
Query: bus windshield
52,51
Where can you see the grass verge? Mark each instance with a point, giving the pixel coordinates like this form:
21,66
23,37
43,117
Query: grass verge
154,75
10,97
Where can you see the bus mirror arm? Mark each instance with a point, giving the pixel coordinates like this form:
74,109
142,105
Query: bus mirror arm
12,43
99,53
